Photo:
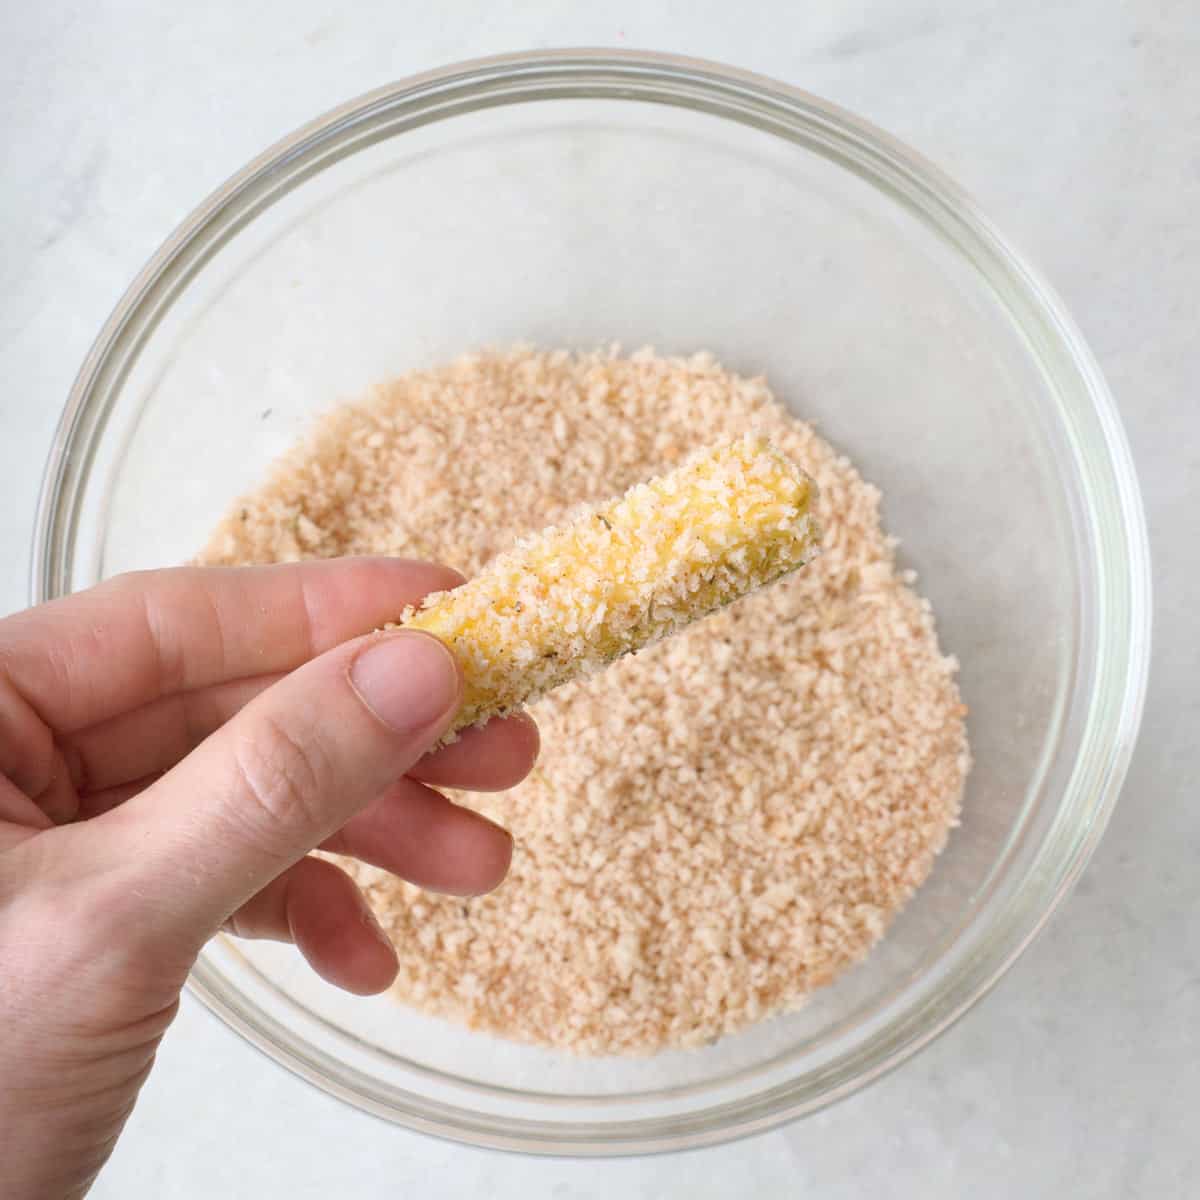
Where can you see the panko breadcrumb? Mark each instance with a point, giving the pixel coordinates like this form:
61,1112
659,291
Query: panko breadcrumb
716,826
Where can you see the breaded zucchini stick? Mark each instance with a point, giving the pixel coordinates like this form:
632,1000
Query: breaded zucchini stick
622,575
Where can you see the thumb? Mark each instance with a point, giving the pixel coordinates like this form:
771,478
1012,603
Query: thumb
288,771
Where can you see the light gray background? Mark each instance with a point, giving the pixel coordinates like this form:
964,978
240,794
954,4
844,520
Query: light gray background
1079,130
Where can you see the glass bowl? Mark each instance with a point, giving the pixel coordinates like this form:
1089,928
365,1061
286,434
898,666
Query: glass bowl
582,198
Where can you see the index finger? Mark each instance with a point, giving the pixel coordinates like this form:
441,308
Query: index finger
138,637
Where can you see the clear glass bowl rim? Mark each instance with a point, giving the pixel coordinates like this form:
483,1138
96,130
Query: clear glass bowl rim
1118,567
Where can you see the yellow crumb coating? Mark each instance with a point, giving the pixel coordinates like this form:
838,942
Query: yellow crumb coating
622,575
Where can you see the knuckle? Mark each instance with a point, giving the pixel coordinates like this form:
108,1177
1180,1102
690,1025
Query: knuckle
26,743
279,779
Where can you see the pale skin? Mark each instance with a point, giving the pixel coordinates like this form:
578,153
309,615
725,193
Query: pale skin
172,746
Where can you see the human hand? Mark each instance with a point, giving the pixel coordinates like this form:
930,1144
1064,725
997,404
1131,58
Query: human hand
172,744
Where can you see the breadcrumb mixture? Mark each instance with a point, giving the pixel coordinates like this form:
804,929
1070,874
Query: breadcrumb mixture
716,826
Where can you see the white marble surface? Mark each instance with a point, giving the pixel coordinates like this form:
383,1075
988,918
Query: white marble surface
1076,125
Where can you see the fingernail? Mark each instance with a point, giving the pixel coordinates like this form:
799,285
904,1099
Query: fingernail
371,922
408,680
